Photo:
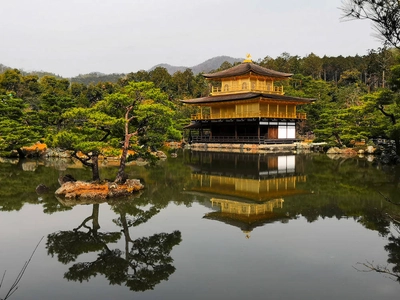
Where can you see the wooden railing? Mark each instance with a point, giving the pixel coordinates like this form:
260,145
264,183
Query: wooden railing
269,89
301,116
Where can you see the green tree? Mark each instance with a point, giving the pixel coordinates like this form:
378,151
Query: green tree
311,65
385,15
161,78
269,63
86,132
147,115
16,128
139,76
307,87
350,77
183,83
55,99
31,91
10,82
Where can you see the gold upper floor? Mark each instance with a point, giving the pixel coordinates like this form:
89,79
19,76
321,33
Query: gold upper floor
246,109
246,84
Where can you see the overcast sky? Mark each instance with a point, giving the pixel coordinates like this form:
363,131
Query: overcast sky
120,36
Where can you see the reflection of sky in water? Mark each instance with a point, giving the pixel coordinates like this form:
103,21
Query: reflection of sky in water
298,260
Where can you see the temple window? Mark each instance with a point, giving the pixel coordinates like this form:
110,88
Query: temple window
244,86
226,88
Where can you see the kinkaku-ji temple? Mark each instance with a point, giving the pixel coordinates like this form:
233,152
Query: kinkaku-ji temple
247,105
246,190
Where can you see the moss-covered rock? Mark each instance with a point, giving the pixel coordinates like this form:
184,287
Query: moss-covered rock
94,190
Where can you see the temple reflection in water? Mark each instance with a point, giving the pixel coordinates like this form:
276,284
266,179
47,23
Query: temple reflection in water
246,190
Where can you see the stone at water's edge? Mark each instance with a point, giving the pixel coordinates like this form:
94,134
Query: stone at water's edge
334,150
88,190
346,151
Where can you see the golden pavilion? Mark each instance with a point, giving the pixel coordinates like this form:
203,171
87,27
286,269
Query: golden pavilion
247,104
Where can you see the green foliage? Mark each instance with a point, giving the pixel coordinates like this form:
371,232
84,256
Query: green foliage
153,114
86,130
17,128
10,81
350,77
95,78
41,102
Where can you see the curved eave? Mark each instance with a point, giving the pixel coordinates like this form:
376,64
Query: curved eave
245,68
246,96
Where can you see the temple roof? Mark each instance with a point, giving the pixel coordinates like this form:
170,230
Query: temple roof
253,196
247,223
245,68
245,96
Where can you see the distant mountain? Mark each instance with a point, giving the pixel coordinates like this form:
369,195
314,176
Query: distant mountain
96,77
214,63
171,69
205,67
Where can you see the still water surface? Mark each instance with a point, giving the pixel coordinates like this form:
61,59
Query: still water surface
207,226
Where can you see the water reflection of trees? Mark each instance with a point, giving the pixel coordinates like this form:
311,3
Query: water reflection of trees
19,182
392,230
393,247
342,188
392,268
141,265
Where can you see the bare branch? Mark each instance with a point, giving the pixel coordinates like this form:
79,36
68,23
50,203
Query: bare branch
14,286
384,14
370,267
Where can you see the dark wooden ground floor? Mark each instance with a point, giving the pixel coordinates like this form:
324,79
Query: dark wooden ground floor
250,131
240,140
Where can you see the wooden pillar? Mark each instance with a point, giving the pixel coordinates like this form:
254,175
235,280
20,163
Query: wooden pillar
236,131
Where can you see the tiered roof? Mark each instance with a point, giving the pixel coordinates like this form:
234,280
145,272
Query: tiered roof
247,96
245,68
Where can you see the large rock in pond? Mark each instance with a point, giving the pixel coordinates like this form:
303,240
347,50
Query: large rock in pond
88,190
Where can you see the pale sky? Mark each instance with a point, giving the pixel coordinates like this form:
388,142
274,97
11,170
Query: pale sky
75,37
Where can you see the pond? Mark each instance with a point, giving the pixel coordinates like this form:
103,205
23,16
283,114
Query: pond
207,226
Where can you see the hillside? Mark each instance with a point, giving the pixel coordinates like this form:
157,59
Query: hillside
205,67
96,77
171,69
